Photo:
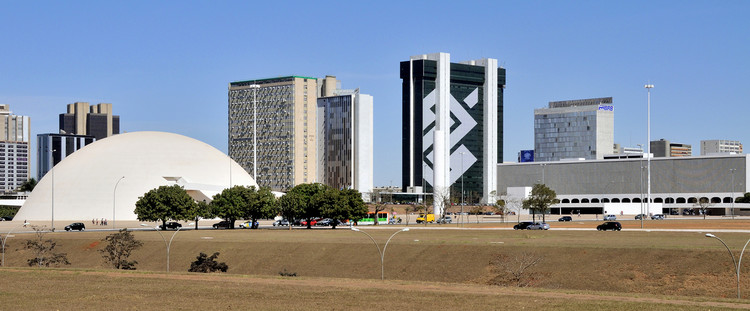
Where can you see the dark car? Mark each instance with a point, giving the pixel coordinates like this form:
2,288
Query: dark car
657,217
224,224
610,225
170,225
640,216
565,218
281,223
327,222
522,225
75,226
6,218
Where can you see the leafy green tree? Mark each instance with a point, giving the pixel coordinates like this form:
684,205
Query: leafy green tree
290,207
541,198
304,195
230,204
164,203
27,185
201,210
341,205
119,247
260,203
743,199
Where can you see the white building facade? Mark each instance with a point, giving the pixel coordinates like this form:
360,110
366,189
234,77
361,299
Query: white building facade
15,150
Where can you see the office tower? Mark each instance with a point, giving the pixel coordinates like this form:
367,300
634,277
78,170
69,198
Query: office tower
664,148
15,151
720,146
53,148
278,116
345,138
95,120
582,128
452,125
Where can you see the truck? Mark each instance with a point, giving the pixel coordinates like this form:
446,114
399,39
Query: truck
429,218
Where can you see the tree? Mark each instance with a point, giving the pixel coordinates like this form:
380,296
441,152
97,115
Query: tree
28,185
119,247
290,207
502,208
206,264
230,204
379,207
515,270
340,205
743,199
542,197
303,195
44,250
477,211
201,210
703,204
261,203
164,203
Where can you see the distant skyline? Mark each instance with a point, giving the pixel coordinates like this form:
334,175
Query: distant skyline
167,67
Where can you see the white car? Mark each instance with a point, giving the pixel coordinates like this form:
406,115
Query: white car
610,217
538,226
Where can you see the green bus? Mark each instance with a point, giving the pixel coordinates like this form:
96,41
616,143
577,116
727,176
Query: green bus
370,219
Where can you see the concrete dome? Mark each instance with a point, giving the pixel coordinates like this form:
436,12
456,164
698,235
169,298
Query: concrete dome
84,182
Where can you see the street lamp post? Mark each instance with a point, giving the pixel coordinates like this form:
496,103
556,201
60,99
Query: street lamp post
6,238
382,253
737,264
52,171
462,182
114,200
648,195
640,182
167,245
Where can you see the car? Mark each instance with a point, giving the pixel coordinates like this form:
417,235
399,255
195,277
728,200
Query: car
312,222
565,218
445,220
673,212
538,226
639,216
610,217
224,224
6,218
610,225
170,225
522,225
657,217
324,222
281,223
248,225
75,226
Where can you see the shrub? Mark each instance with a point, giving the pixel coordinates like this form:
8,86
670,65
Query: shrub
119,247
206,264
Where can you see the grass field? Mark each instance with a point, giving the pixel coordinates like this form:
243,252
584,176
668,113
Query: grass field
340,269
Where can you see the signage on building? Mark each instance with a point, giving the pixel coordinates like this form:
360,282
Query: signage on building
526,156
607,107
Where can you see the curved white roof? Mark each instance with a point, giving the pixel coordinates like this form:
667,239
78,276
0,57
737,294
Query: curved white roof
84,182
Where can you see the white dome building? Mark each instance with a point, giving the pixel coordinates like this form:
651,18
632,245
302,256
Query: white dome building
89,183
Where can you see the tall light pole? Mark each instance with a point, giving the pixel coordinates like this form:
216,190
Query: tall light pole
168,245
737,264
382,253
640,182
732,170
6,238
648,142
462,180
255,131
114,200
52,170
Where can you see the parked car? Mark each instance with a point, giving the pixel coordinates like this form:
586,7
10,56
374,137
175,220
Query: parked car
312,222
281,223
610,217
657,217
224,224
75,226
673,212
445,220
6,218
610,225
248,225
538,226
522,225
639,216
326,222
565,218
422,218
170,225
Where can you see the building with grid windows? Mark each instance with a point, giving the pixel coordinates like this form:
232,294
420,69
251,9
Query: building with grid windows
15,150
452,130
90,120
720,146
583,128
664,148
345,136
276,115
53,148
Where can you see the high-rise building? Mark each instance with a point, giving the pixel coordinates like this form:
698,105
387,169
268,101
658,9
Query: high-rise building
345,136
15,150
720,146
53,148
90,120
278,116
583,128
452,126
664,148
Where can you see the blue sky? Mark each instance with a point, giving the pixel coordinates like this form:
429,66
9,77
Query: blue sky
166,65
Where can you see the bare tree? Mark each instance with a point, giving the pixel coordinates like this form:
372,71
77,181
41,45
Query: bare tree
44,255
515,270
477,211
703,204
442,201
119,247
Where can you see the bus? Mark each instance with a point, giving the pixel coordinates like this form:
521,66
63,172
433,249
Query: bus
370,219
